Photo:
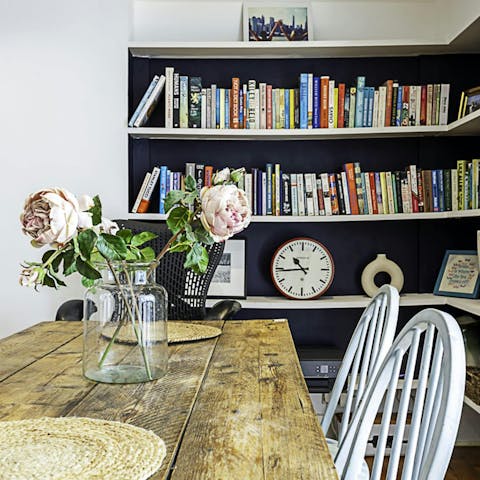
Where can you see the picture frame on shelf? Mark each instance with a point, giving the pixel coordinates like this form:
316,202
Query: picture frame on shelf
469,101
229,279
459,275
277,21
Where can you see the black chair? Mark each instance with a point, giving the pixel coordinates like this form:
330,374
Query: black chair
187,291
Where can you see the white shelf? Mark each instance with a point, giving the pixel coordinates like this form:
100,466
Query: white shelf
471,404
354,301
466,304
335,218
467,126
327,302
158,133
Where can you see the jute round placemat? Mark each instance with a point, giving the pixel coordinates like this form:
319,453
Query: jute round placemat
77,448
177,332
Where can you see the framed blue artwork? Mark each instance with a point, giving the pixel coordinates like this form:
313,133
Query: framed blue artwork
458,276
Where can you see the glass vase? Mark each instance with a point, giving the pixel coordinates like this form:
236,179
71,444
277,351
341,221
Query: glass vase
125,325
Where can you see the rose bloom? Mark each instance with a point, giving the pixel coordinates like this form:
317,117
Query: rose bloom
221,176
225,211
52,216
29,277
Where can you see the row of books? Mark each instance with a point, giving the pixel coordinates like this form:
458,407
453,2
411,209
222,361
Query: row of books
318,102
349,192
354,192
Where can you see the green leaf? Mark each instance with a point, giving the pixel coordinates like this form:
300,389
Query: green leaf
202,236
86,243
96,210
86,269
190,184
180,247
148,254
143,237
47,255
126,234
173,197
189,235
133,254
197,259
49,281
112,247
178,218
69,266
57,280
88,282
191,197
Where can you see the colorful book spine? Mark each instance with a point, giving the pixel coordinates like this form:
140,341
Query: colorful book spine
316,102
183,101
169,97
176,100
331,104
341,106
352,187
235,103
324,80
304,100
162,189
310,101
144,99
141,191
150,104
359,101
147,194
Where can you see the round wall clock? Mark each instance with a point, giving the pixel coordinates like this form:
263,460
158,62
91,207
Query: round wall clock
302,268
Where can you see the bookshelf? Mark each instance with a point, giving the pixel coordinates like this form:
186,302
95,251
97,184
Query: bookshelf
415,241
468,125
356,301
336,218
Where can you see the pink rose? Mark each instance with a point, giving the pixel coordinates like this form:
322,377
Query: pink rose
225,211
52,216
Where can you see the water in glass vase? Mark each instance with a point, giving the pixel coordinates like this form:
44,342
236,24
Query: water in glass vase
125,326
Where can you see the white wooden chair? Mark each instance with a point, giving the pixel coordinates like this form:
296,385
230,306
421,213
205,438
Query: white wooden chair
430,347
371,339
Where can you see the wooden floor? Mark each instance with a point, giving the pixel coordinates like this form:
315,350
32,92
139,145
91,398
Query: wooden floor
464,465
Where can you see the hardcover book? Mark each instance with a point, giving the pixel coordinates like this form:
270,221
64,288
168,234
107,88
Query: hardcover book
150,103
142,102
169,97
176,100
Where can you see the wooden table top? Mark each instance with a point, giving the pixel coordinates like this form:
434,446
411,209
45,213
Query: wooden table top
232,407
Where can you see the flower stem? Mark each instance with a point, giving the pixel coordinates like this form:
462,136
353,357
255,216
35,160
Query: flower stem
132,318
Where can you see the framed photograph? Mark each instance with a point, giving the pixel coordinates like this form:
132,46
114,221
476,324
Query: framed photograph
469,101
472,100
229,279
275,21
458,275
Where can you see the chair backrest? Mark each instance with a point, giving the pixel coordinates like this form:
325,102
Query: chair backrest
427,354
371,339
187,291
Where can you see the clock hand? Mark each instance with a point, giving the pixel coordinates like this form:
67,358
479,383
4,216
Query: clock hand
296,261
291,269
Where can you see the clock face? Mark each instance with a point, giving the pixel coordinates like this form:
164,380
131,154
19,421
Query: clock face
302,268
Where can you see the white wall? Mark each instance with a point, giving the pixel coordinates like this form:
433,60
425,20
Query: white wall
190,20
62,117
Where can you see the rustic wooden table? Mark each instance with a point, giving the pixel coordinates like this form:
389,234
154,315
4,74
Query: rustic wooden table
234,408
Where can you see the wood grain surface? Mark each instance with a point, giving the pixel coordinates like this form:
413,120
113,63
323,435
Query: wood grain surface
231,407
253,415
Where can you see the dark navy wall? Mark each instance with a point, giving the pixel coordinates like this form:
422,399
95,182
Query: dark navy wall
417,246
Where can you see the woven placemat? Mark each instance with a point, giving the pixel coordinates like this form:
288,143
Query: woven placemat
77,448
177,332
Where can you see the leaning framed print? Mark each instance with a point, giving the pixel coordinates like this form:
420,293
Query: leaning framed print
229,279
458,275
265,21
